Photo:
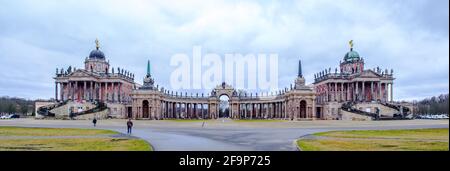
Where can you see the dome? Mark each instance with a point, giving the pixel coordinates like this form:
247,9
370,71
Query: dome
97,54
351,56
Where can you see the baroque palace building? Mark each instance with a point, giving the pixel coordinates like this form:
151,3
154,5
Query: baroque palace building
350,93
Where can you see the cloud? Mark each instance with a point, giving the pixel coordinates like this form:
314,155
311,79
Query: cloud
409,36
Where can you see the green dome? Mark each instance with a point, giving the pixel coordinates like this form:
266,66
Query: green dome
351,56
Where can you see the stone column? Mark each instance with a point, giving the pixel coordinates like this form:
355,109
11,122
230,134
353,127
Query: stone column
357,91
61,91
56,91
201,111
119,94
379,90
69,90
347,92
364,91
314,109
76,90
335,92
392,92
84,91
371,91
113,92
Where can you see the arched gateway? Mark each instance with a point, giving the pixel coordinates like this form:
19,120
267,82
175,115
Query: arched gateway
165,104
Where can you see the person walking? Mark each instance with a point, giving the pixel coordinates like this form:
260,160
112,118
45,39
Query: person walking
94,122
129,126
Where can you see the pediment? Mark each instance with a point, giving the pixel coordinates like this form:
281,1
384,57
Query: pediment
369,74
80,73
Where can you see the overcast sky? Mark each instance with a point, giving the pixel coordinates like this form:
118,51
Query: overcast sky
409,36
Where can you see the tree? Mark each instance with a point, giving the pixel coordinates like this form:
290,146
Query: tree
24,109
11,108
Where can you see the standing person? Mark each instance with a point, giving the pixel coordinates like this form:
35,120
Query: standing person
94,122
129,126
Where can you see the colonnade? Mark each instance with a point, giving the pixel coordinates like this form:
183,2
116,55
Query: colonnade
355,91
90,91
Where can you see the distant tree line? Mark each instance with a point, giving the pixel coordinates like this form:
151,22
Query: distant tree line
434,105
14,105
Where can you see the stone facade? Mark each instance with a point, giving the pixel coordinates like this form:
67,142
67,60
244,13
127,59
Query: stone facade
96,82
351,83
151,102
369,89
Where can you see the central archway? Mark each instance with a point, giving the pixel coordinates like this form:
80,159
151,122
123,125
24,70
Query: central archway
145,106
303,109
224,106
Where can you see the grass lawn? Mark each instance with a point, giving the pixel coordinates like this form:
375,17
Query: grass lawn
378,140
46,139
19,131
75,144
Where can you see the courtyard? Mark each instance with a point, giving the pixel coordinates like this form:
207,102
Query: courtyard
225,134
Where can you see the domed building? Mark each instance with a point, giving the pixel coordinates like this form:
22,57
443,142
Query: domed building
366,91
96,88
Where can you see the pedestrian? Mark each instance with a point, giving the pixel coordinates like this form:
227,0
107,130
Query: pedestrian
94,122
203,125
129,126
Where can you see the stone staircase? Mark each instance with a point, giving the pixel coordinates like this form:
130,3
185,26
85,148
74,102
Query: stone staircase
61,110
350,109
383,111
46,111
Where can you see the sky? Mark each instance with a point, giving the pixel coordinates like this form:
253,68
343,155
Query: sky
409,36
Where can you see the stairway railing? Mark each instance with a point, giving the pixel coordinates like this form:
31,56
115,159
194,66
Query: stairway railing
349,107
45,110
99,106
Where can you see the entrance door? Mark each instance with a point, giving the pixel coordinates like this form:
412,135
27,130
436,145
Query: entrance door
303,109
145,112
129,113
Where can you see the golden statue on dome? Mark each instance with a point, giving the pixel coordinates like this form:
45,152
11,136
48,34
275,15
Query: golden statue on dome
97,44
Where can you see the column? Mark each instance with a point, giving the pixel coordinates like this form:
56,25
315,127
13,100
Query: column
84,91
61,90
120,88
113,92
56,91
371,91
76,90
392,92
357,91
90,90
201,111
335,92
100,91
364,91
379,90
314,109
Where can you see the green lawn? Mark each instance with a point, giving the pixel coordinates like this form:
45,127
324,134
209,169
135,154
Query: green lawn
75,144
19,131
46,139
378,140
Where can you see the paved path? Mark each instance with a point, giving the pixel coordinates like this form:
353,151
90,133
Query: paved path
227,136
